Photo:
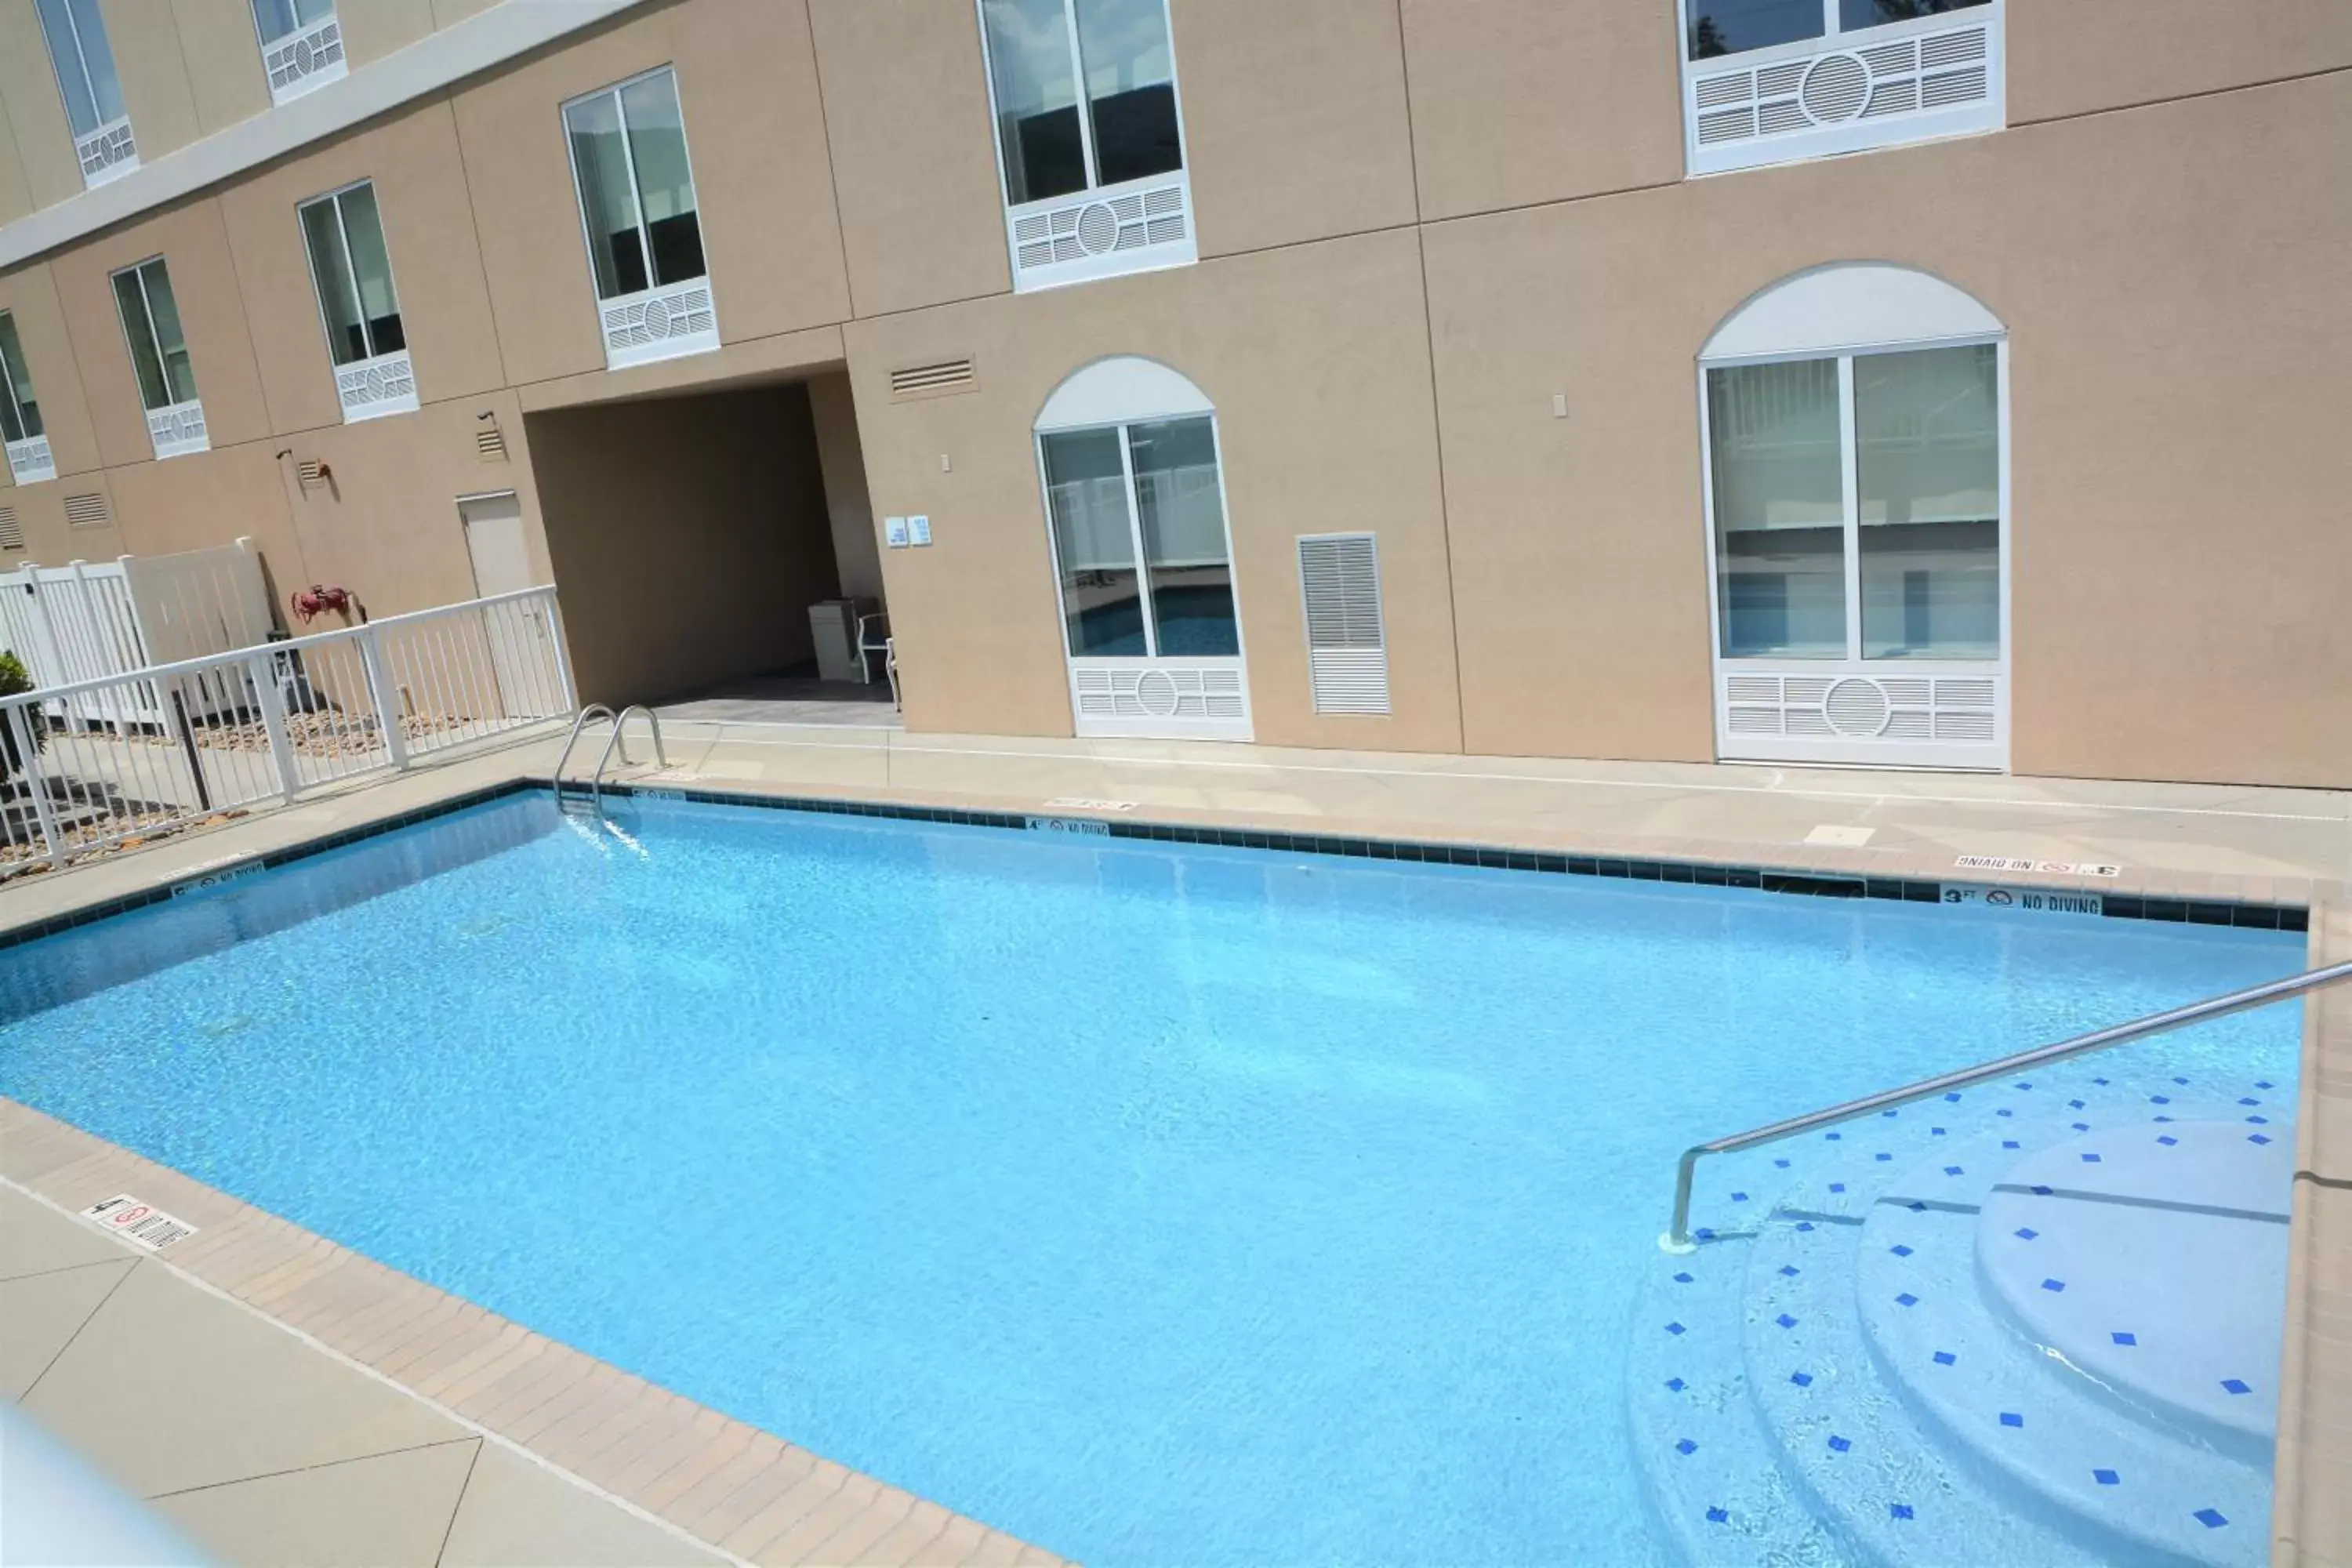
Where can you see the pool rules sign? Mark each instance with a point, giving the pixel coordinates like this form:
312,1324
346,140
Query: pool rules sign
148,1225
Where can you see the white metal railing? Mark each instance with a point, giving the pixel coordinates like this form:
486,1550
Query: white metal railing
261,725
308,58
370,388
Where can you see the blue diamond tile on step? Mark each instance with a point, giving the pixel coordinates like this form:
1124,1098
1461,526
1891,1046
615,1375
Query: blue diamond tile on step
1725,1502
2048,1466
1843,1394
2187,1246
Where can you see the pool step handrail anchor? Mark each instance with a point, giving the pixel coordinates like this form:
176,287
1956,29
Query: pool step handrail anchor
618,739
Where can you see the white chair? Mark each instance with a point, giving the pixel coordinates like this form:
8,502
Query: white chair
869,644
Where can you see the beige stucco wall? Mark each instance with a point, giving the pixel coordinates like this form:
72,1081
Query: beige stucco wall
747,87
1517,101
222,50
2171,275
156,94
374,28
905,101
428,221
2148,316
1272,164
1317,360
15,192
687,535
29,295
841,456
28,91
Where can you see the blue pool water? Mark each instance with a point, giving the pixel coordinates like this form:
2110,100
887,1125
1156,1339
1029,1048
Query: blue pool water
1158,1204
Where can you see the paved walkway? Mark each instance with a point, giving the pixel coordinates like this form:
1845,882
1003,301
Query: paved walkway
262,1445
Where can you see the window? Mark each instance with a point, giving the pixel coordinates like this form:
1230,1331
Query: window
20,414
1856,527
301,45
1135,510
645,233
352,272
1089,137
159,357
1770,81
93,93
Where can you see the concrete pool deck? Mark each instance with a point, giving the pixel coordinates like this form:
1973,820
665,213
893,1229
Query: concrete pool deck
563,1444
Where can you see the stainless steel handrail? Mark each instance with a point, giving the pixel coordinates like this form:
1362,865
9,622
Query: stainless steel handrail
661,757
1677,1236
578,725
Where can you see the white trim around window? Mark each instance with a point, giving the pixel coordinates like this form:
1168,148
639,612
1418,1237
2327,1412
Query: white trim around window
1101,227
30,460
1843,708
1845,89
373,374
664,308
175,415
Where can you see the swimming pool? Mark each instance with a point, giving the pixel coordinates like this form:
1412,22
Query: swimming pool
1156,1204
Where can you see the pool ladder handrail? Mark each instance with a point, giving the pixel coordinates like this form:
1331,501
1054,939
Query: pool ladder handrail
1677,1236
580,722
620,728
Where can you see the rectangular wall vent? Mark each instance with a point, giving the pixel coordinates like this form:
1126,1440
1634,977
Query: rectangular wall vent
85,510
490,444
933,380
1347,646
11,536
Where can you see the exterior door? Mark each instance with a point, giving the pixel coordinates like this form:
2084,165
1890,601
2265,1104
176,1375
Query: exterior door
1145,566
494,539
1858,540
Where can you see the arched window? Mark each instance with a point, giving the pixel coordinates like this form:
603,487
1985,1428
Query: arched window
1857,490
1127,452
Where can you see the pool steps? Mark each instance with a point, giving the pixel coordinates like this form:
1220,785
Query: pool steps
1790,1407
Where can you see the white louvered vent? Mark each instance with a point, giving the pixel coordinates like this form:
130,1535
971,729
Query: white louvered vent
1932,79
1347,646
85,510
311,58
107,154
178,429
12,537
933,380
30,460
370,388
659,324
1122,228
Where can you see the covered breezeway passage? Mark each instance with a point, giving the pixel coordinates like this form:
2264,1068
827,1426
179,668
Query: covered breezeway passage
691,535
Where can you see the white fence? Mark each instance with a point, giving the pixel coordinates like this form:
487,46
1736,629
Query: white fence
84,621
263,724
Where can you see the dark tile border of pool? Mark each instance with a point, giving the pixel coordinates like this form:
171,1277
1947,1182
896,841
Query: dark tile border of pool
1765,878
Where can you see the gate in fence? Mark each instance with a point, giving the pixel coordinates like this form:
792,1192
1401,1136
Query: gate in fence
133,753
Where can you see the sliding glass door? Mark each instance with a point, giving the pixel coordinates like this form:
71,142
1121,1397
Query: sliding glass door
1857,535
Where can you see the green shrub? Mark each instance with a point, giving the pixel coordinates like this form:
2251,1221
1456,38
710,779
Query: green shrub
14,679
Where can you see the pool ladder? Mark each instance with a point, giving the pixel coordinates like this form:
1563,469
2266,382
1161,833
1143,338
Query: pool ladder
616,741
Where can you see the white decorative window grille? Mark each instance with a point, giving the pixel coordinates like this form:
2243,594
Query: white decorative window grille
659,324
638,213
1090,138
301,45
350,271
30,460
1769,81
159,357
84,63
1347,646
